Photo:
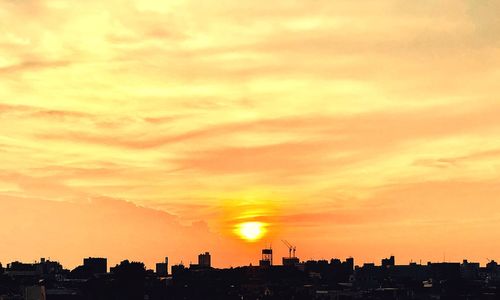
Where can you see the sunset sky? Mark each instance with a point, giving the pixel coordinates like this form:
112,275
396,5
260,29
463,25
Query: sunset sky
141,129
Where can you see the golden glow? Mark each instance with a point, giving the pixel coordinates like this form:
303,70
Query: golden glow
251,231
323,121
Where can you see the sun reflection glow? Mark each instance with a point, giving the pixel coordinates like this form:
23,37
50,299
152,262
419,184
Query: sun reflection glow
251,231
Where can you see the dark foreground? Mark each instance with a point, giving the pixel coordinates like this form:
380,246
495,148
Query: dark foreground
310,280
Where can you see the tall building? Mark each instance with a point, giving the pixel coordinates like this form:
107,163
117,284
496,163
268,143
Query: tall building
349,263
162,268
204,260
267,258
96,265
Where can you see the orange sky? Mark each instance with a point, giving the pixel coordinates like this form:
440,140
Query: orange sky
139,128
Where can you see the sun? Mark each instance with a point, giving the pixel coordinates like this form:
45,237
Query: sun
251,231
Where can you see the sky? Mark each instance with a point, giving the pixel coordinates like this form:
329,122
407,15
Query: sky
138,129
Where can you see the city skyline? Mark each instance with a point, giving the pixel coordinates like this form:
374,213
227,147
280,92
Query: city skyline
100,265
138,129
275,258
313,279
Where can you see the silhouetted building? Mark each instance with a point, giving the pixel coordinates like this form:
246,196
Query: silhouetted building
388,262
204,260
130,280
176,269
162,268
493,271
445,271
267,258
492,265
290,261
96,265
349,264
469,270
21,269
47,267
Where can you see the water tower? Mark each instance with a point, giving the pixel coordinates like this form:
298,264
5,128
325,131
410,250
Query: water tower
267,258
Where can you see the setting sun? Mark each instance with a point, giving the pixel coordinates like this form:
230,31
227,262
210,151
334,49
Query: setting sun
251,231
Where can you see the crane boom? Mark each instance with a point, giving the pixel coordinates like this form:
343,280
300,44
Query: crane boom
290,248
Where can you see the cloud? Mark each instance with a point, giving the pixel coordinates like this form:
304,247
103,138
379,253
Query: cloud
338,141
28,112
351,130
33,228
32,66
456,161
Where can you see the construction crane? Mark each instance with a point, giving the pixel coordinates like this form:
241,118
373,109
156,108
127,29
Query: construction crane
290,248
